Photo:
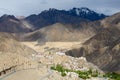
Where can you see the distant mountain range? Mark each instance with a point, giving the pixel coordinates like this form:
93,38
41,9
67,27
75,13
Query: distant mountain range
12,24
75,24
75,15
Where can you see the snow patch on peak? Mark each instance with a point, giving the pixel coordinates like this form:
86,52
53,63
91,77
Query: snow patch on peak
77,12
82,10
85,10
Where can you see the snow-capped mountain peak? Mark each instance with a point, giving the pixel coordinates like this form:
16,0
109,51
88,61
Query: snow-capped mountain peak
86,13
86,10
79,11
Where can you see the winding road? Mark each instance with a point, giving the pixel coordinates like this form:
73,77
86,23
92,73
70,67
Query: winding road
22,74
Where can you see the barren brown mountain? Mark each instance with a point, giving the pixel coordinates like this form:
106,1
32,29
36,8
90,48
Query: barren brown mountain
103,49
8,43
62,32
9,23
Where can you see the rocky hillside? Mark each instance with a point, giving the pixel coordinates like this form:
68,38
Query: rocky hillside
9,44
62,32
9,23
112,21
14,55
103,49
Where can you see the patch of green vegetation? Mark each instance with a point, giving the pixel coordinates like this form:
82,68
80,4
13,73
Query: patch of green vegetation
63,74
112,75
85,74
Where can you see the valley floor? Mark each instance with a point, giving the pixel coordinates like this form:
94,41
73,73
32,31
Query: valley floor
52,45
49,54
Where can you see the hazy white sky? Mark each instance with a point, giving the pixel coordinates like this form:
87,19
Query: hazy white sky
27,7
